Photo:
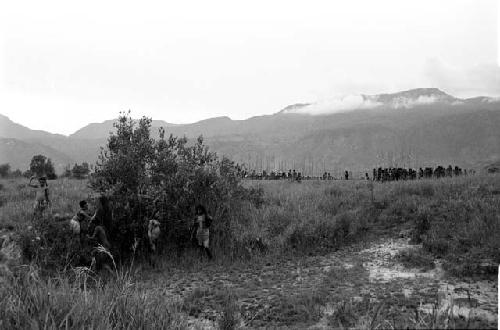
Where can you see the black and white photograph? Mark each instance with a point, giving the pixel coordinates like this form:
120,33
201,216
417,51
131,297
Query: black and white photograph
277,164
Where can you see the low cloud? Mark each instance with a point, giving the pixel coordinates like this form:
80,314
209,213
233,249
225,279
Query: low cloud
362,102
405,102
339,104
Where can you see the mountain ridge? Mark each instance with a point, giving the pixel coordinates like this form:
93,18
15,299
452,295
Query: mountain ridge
350,137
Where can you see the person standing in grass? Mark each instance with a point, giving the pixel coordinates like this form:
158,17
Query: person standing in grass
42,200
202,224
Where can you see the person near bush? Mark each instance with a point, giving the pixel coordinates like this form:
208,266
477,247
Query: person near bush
42,200
201,227
82,218
100,227
102,216
100,240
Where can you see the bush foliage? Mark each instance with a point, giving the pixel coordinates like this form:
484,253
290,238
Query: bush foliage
163,178
42,166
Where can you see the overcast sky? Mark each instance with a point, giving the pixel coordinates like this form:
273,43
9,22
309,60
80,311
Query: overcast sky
65,64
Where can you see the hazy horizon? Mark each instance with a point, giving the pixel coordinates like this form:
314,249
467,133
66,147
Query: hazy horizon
64,66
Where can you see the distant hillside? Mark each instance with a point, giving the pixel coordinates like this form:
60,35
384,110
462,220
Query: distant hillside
418,127
20,143
19,153
464,139
10,129
102,130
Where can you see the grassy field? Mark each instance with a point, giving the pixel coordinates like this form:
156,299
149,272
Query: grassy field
17,198
456,220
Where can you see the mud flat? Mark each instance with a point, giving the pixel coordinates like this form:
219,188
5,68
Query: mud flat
457,298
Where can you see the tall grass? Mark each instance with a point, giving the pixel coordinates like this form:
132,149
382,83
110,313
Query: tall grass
18,199
83,302
457,219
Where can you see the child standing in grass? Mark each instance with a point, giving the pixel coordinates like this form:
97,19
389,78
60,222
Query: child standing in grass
42,200
202,224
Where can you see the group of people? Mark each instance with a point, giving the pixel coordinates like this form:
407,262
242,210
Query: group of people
292,175
396,174
378,174
94,229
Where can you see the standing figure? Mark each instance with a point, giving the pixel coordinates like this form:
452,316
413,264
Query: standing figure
299,177
346,175
449,171
154,232
42,200
202,224
102,216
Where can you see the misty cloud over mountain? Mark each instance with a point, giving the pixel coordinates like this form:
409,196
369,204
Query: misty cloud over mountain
406,99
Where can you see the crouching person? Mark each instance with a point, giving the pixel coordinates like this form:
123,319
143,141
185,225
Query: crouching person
101,248
80,222
201,225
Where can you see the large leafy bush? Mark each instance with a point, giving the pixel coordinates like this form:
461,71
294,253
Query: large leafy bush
164,178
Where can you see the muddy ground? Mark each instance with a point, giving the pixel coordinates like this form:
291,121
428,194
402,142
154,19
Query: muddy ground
363,285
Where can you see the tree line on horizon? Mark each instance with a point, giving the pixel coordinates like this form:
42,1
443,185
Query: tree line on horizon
40,166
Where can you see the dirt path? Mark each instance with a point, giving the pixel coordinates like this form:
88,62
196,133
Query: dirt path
355,286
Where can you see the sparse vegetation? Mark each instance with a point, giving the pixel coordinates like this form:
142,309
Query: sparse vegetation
6,171
78,171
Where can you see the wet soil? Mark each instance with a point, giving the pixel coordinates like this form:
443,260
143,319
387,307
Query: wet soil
355,287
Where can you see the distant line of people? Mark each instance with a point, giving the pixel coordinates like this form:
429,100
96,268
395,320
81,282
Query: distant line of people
396,174
378,174
271,175
291,175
